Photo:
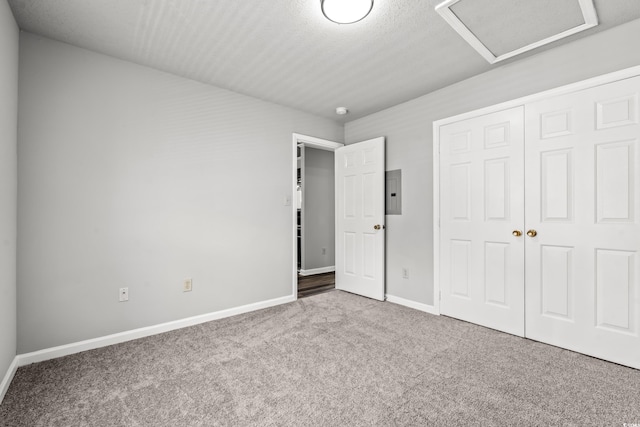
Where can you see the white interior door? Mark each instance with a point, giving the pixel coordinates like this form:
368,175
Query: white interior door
360,233
583,201
481,205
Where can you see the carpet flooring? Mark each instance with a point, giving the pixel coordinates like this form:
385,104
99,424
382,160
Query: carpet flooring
333,359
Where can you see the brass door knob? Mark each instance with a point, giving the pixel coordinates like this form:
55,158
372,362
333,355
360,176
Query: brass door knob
378,227
517,233
532,233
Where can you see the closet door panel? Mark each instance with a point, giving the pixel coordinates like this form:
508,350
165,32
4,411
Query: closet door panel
482,196
582,198
556,281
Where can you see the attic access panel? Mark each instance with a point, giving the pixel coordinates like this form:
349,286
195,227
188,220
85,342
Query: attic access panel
501,29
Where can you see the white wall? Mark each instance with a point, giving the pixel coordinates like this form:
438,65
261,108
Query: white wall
132,177
319,208
8,184
408,128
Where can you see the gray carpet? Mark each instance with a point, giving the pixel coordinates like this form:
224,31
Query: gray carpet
333,359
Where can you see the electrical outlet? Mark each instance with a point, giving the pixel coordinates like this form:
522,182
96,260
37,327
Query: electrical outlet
187,285
124,294
405,273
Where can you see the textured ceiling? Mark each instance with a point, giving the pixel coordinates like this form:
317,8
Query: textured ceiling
285,51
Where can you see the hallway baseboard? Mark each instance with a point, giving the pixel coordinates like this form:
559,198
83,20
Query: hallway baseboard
320,270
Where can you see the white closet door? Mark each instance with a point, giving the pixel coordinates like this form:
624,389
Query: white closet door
583,200
481,204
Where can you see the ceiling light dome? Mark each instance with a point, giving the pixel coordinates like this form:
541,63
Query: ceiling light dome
346,11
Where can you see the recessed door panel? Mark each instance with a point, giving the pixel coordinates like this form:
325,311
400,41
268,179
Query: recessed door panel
369,242
349,242
369,196
557,281
496,265
497,189
556,186
554,124
616,290
349,196
349,160
459,142
615,181
497,135
617,112
460,266
369,156
460,191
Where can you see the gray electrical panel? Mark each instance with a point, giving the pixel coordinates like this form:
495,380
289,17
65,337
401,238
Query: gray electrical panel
393,192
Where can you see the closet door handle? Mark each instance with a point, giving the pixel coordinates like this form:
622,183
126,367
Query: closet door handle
517,233
532,233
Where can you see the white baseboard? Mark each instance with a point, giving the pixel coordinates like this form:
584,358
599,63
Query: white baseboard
67,349
412,304
4,385
320,270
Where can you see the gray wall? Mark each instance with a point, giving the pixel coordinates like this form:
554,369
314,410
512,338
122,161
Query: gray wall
319,208
408,128
8,183
132,177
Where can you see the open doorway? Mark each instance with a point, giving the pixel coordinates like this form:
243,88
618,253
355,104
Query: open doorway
314,213
316,220
359,215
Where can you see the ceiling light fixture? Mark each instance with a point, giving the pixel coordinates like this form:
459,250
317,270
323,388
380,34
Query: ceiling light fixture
346,11
341,111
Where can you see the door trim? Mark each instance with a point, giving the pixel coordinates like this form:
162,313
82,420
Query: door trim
561,90
313,142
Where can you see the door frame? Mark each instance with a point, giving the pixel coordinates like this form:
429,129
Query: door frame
312,142
561,90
